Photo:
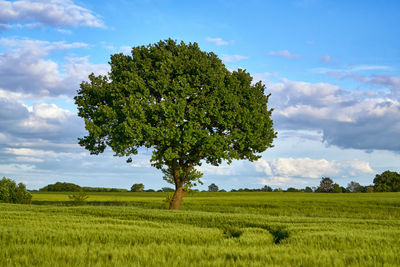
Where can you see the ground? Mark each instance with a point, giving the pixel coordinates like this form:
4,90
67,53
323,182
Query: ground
212,229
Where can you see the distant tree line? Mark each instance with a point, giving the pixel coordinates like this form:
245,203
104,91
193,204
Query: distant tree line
387,181
70,187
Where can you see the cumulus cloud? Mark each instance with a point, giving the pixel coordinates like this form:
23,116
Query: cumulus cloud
299,167
294,171
348,119
218,170
47,12
233,58
217,41
283,53
25,68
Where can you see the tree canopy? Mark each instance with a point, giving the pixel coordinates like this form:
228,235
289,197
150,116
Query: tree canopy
387,181
181,102
10,192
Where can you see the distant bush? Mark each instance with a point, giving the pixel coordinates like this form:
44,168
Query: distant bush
266,188
137,188
79,198
103,189
11,193
61,187
167,189
292,189
307,189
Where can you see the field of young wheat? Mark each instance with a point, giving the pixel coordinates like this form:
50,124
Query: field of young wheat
211,229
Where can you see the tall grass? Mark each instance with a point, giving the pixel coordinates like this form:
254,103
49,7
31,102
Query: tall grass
212,229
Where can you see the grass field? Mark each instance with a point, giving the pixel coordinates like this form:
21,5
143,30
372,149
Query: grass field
211,229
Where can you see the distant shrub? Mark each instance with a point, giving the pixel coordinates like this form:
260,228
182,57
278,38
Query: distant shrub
11,193
103,189
266,188
308,189
168,199
369,189
79,198
167,189
292,189
137,188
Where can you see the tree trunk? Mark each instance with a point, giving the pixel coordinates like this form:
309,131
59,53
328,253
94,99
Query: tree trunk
177,198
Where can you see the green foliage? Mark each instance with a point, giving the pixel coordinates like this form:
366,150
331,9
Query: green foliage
212,188
78,197
354,187
11,193
266,188
387,182
336,189
326,185
61,187
168,199
180,101
137,188
308,189
103,189
167,189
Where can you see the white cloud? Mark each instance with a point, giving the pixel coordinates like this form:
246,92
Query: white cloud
218,170
233,58
28,159
217,41
29,152
348,119
47,12
282,53
361,166
281,181
299,167
296,171
125,49
25,68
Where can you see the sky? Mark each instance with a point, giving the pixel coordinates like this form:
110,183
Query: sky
332,69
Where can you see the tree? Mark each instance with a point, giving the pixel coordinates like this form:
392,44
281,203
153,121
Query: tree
137,188
308,189
326,185
167,189
212,188
387,181
61,187
181,102
11,193
354,187
266,188
337,188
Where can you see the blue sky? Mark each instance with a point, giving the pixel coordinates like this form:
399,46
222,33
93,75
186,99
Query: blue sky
332,68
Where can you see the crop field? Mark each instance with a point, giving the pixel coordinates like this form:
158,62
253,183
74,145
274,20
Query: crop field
211,229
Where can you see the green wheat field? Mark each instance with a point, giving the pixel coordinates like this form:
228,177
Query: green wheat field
211,229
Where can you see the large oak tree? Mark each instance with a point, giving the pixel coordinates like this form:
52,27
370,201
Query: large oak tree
183,104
